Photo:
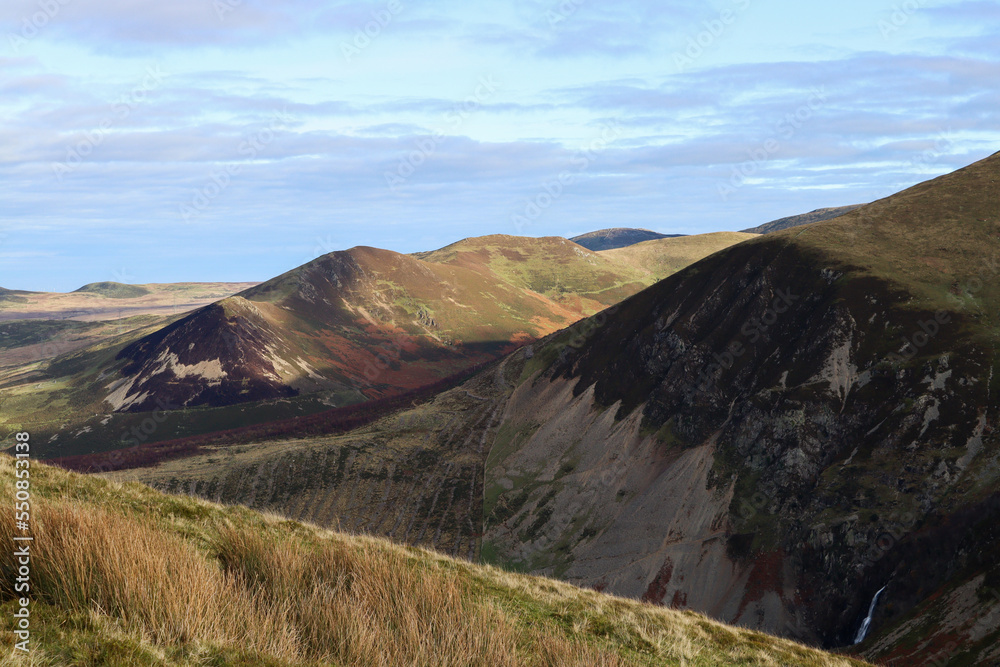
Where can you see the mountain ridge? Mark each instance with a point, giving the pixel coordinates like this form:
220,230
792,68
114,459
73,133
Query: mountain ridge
818,215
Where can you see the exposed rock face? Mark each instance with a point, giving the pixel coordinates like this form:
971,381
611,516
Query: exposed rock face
616,510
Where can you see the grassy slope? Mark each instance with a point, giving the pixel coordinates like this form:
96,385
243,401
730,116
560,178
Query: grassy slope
819,215
949,225
664,257
124,575
552,266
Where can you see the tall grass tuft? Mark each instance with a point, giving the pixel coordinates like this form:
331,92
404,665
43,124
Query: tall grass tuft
331,602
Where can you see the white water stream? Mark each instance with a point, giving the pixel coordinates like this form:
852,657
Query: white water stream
863,630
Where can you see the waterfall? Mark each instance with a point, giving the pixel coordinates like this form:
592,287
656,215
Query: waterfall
863,630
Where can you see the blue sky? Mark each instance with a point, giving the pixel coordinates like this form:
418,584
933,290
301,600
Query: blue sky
235,139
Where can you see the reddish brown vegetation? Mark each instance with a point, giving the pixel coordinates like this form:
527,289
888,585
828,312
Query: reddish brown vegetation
658,587
337,420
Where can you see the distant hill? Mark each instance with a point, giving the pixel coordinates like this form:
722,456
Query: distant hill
114,290
348,327
12,296
619,237
666,256
819,215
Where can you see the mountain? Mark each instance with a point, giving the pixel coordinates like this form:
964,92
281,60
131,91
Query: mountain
370,321
793,434
819,215
618,237
780,431
124,576
666,256
351,326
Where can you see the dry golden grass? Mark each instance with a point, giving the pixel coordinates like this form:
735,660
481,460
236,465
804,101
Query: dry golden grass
123,575
332,602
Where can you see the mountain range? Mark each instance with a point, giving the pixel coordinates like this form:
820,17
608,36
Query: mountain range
348,327
792,432
771,436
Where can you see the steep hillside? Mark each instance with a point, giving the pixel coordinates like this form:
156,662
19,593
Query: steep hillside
123,576
665,257
780,431
819,215
618,237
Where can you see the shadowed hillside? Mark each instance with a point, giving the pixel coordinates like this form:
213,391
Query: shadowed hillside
779,431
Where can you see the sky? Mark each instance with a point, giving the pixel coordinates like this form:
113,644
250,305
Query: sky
233,140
